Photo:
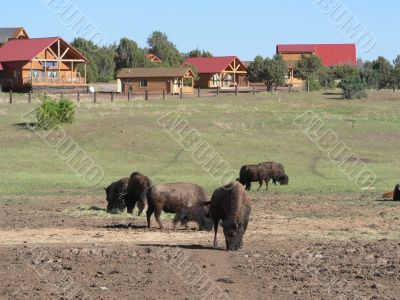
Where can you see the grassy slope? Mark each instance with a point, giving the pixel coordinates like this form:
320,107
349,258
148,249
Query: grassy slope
124,137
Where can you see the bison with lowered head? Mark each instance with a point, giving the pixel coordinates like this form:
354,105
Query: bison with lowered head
138,186
276,172
252,173
180,198
231,205
116,195
396,193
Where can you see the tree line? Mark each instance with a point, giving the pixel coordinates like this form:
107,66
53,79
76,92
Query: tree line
354,80
104,62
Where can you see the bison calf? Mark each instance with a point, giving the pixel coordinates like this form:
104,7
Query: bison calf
138,186
116,195
231,205
396,193
197,213
174,198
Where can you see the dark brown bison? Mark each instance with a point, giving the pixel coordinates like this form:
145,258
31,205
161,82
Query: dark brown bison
252,173
276,172
138,186
231,205
396,193
174,198
197,213
116,195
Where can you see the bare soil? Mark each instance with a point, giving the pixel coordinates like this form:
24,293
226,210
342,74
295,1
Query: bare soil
297,247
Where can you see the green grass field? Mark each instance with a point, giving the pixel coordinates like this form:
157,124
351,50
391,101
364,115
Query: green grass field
123,137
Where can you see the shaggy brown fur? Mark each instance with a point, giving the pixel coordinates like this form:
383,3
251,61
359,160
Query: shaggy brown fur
252,173
276,172
231,205
138,186
173,198
116,195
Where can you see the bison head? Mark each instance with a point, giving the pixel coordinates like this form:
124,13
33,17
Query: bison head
233,232
284,180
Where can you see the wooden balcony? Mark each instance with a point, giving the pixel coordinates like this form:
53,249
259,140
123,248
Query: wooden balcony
42,81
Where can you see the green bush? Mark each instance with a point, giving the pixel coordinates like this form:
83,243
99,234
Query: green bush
353,87
314,85
52,113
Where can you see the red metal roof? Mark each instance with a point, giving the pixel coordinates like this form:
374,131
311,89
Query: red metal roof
330,54
210,64
24,50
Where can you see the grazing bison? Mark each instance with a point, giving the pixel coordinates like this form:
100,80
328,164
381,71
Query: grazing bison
276,172
396,193
138,186
116,195
252,173
231,205
196,213
175,198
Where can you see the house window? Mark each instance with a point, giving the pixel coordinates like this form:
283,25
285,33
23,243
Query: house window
34,74
143,83
49,64
52,74
215,80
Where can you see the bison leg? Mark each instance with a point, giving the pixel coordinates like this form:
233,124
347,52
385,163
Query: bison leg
215,233
261,183
149,212
248,186
266,183
157,215
176,220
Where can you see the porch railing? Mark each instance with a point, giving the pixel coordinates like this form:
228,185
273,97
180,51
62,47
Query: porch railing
53,81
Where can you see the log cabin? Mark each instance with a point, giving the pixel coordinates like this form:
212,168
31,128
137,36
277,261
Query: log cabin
330,54
41,64
224,72
157,80
7,34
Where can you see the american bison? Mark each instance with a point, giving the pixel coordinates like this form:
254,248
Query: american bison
231,205
116,195
197,213
396,193
276,172
174,198
138,186
252,173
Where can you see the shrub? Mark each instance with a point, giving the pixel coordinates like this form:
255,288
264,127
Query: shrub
353,87
314,85
52,113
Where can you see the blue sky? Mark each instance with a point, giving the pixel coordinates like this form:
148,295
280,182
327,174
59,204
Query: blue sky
242,28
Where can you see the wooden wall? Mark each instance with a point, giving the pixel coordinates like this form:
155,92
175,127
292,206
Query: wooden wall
154,85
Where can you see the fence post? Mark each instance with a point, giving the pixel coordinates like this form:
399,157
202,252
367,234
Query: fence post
62,95
78,97
290,88
45,95
94,97
254,89
217,90
146,95
30,97
236,90
198,92
129,95
181,93
11,96
112,96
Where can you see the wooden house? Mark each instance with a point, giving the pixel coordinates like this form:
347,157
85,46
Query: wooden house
330,54
153,58
8,34
224,72
157,80
43,63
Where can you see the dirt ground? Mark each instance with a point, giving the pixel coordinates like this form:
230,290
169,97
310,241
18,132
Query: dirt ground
297,247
